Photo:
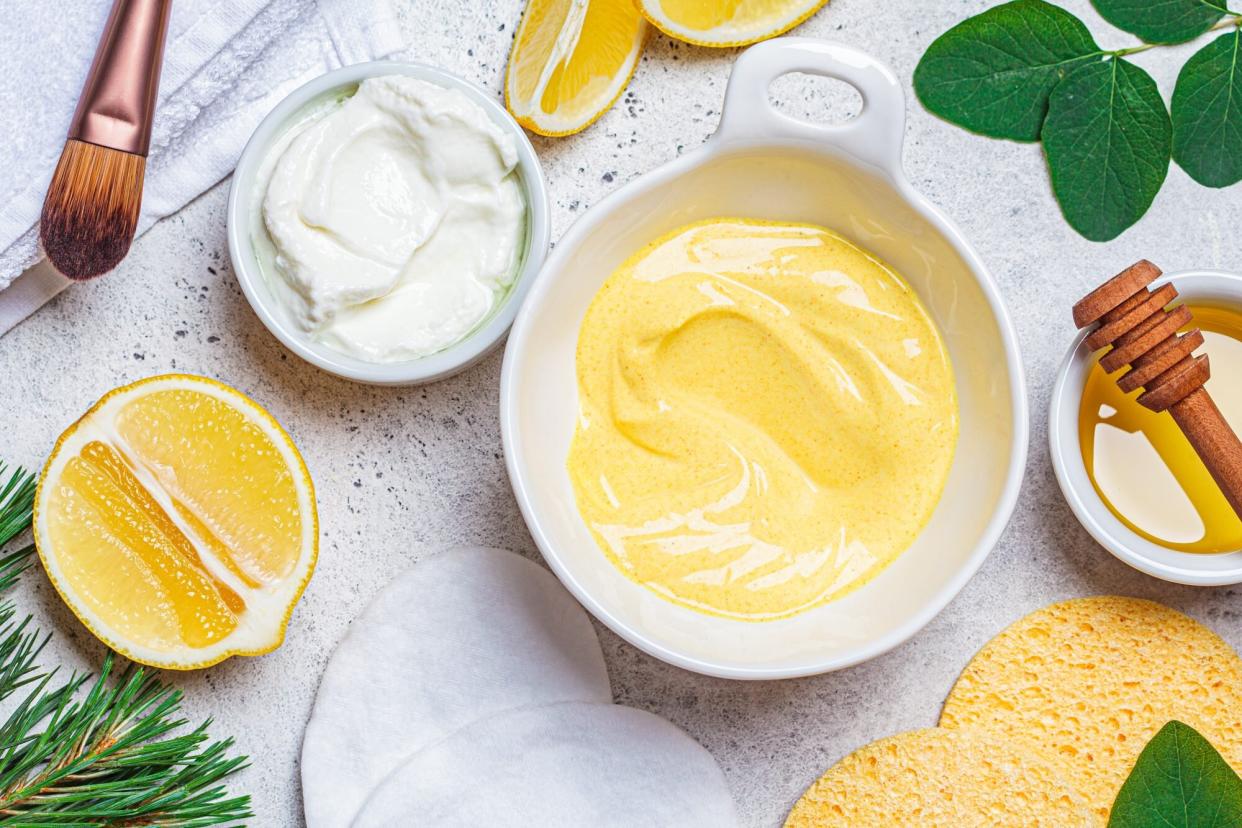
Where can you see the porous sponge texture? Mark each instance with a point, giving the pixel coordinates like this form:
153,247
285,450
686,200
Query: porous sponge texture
1086,683
937,777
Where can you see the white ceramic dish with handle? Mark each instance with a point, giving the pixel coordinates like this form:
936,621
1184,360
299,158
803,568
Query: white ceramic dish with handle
762,164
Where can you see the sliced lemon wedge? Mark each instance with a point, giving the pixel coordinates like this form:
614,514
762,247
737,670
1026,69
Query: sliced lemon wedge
177,520
570,60
727,22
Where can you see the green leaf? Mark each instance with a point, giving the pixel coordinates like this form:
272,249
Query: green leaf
1179,781
1162,21
1207,113
1108,141
992,73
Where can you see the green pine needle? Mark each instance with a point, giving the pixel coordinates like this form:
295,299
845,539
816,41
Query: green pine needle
19,646
16,501
111,757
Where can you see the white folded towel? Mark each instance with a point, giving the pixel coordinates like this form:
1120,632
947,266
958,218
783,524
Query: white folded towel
226,64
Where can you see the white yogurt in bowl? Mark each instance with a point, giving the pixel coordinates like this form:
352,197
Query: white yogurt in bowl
383,222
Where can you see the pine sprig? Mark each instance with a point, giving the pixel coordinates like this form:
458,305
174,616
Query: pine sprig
19,645
110,758
16,502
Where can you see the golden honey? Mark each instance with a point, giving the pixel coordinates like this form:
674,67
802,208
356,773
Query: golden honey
1142,465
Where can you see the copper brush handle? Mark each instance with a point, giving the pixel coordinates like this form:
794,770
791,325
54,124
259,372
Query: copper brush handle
1143,333
118,98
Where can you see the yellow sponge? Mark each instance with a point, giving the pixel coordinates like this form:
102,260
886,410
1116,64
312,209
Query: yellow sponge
936,777
1088,682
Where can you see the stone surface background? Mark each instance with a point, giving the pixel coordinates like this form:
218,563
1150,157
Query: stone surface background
403,472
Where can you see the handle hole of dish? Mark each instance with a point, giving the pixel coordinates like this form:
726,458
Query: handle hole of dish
815,99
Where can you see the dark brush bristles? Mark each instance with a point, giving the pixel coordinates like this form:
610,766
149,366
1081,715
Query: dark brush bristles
91,209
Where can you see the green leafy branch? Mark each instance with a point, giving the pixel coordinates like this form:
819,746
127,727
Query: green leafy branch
108,758
1028,70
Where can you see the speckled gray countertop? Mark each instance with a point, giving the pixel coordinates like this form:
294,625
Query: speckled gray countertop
402,472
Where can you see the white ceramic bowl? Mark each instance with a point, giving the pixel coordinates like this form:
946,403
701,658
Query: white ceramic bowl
254,281
1180,567
763,164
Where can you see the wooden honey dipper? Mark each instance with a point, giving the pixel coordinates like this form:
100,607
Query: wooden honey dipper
1143,332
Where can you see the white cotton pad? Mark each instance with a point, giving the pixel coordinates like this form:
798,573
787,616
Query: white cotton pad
570,765
464,635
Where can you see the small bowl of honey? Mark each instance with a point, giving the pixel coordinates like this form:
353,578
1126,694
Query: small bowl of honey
1130,475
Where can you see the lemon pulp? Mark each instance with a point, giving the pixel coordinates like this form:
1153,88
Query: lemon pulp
570,60
767,417
727,22
175,524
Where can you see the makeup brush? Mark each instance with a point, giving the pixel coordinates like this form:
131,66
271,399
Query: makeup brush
92,205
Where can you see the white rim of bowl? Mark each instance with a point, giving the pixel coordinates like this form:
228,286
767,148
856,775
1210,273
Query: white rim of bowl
1190,568
1006,503
456,357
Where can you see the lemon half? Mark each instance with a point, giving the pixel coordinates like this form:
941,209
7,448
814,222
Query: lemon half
570,60
177,520
727,22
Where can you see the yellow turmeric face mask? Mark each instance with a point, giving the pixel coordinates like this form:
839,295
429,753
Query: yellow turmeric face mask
767,417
